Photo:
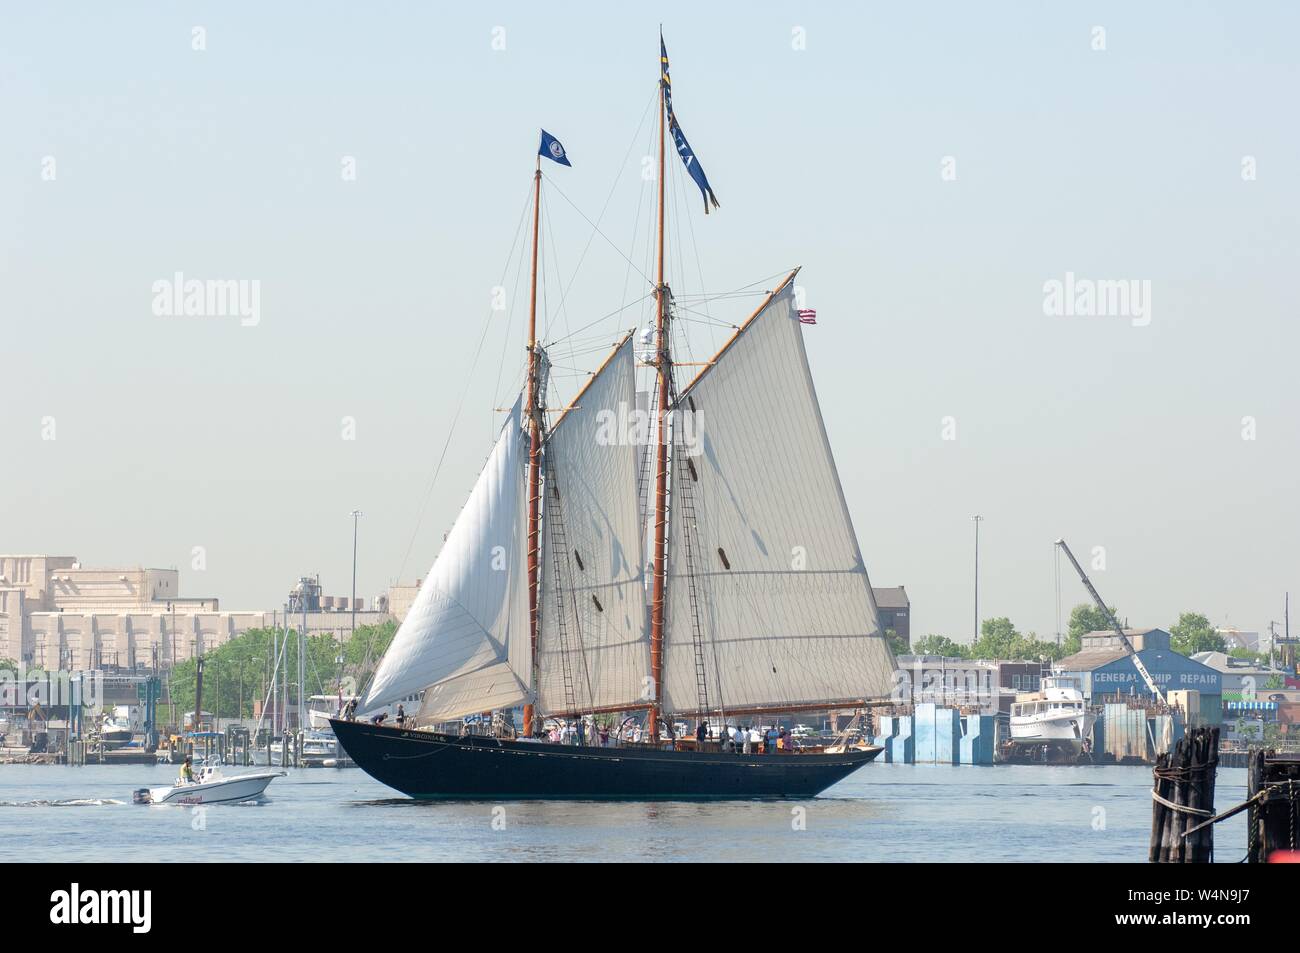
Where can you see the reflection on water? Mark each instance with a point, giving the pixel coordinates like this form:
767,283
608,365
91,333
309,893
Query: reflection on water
881,813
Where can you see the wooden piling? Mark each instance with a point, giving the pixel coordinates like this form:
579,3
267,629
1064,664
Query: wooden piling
1183,797
1273,787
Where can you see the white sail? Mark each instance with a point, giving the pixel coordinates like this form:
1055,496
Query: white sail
465,639
785,609
593,646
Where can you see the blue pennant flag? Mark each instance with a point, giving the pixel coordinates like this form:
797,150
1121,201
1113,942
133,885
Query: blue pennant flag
552,149
694,168
679,138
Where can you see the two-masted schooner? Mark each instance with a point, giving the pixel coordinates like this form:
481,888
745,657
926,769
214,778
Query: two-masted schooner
757,601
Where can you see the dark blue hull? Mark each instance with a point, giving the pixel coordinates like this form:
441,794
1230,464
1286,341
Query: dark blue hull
428,765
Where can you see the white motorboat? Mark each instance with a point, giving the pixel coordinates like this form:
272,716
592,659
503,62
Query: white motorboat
1056,717
211,786
115,728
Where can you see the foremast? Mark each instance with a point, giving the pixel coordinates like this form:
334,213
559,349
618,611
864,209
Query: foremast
534,412
663,363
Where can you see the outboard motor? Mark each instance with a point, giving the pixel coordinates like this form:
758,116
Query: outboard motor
141,796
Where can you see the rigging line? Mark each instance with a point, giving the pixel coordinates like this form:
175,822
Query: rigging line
636,224
699,267
705,317
510,323
742,289
514,294
705,296
487,324
604,208
550,231
709,322
679,248
588,327
608,240
650,306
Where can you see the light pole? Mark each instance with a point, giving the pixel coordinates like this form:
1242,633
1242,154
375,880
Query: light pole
356,515
977,519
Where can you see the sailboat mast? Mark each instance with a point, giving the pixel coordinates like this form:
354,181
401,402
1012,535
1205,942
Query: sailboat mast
661,449
534,448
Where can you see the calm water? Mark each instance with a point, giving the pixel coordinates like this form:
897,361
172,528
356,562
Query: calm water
884,812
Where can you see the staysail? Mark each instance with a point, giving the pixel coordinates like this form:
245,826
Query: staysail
465,639
784,607
593,646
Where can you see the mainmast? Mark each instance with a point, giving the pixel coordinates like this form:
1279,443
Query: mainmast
534,446
664,364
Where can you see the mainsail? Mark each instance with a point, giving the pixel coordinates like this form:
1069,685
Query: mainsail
465,639
593,648
784,607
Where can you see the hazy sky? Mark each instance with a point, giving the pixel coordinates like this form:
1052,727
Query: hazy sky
129,155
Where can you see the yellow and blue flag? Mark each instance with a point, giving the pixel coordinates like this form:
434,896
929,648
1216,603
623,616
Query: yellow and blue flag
679,138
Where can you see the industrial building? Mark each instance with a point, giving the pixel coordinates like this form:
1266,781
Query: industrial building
1106,671
991,684
1255,695
58,615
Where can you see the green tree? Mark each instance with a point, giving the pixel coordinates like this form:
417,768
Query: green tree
236,673
8,665
999,639
939,645
364,649
1085,618
897,644
1193,633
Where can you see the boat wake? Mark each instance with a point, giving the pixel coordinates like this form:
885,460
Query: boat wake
64,802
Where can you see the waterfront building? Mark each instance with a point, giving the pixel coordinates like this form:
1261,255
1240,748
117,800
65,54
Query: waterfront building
894,610
56,614
1106,670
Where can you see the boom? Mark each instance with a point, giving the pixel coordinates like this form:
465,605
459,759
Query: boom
1114,624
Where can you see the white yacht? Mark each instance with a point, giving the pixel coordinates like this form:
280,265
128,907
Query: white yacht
115,729
1055,717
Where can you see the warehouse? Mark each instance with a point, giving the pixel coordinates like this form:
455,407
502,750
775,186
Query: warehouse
1106,670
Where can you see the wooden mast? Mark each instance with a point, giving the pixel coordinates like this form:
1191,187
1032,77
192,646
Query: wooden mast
661,448
534,449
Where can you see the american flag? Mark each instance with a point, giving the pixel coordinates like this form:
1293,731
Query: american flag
807,316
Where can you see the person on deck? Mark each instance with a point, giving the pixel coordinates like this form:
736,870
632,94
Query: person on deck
701,734
187,772
350,710
755,739
769,741
746,746
401,716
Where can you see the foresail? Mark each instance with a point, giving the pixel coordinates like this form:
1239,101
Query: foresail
784,606
593,647
465,639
